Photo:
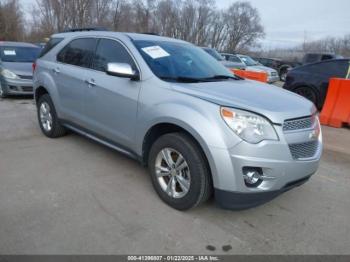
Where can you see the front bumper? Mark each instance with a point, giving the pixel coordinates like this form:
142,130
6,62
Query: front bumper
241,201
272,79
17,87
281,171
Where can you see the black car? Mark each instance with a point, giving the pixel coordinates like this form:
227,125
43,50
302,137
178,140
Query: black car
311,80
281,66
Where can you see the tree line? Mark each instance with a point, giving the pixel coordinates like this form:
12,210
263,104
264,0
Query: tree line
332,45
237,28
198,21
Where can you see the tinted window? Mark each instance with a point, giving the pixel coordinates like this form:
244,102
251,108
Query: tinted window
51,44
79,52
19,54
110,51
327,57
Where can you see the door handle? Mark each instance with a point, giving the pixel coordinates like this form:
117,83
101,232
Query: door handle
56,70
90,83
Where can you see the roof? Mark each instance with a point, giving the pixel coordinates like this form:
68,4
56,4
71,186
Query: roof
17,44
133,36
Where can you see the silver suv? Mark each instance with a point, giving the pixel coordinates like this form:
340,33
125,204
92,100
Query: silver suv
200,130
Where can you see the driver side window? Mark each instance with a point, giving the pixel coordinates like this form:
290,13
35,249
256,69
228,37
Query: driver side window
111,51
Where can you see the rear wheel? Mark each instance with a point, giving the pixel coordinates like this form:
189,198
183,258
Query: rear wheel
179,171
47,117
308,93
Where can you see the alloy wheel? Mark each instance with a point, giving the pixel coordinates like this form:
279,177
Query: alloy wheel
45,116
173,173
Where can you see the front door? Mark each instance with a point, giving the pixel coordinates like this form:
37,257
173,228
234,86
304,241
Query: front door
111,102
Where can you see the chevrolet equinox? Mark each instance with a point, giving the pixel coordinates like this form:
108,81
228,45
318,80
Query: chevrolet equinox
200,130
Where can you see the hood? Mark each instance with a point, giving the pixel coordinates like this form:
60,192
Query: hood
24,69
261,68
273,102
230,64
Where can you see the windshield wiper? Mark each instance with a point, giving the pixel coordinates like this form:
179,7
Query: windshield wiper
222,77
182,79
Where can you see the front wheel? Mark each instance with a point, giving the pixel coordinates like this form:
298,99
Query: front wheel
179,171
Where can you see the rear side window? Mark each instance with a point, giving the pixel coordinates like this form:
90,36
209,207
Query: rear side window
79,52
51,44
111,51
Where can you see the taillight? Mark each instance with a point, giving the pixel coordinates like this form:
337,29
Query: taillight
34,67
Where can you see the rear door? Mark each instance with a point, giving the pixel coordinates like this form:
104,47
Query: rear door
111,102
71,72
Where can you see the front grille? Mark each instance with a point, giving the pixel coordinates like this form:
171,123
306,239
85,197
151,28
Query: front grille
299,124
274,74
27,89
25,77
304,150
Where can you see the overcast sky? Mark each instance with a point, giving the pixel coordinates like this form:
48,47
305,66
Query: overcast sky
289,22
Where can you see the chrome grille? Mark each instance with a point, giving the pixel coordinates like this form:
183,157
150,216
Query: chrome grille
304,150
298,124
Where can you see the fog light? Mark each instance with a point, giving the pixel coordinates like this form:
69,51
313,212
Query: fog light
253,176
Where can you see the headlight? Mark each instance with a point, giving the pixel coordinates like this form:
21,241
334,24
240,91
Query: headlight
250,127
8,74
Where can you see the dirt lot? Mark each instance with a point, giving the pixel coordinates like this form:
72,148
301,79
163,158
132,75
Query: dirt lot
73,196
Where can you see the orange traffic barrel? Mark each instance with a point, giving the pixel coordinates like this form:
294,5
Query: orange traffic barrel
336,110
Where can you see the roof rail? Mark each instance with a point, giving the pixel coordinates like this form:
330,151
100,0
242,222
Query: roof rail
150,33
85,29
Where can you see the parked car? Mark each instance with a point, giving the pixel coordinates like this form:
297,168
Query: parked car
311,81
252,65
319,57
238,64
177,110
281,66
16,71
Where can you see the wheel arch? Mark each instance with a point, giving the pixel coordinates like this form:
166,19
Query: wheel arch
39,92
162,128
312,87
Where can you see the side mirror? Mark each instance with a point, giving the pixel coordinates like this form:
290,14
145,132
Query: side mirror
122,70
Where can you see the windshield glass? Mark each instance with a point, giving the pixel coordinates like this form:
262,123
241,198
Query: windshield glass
172,61
248,60
19,54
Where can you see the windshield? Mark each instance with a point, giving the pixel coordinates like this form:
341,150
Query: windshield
172,61
248,60
19,54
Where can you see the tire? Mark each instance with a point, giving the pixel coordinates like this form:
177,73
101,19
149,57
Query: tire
308,93
197,173
54,129
3,93
283,75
